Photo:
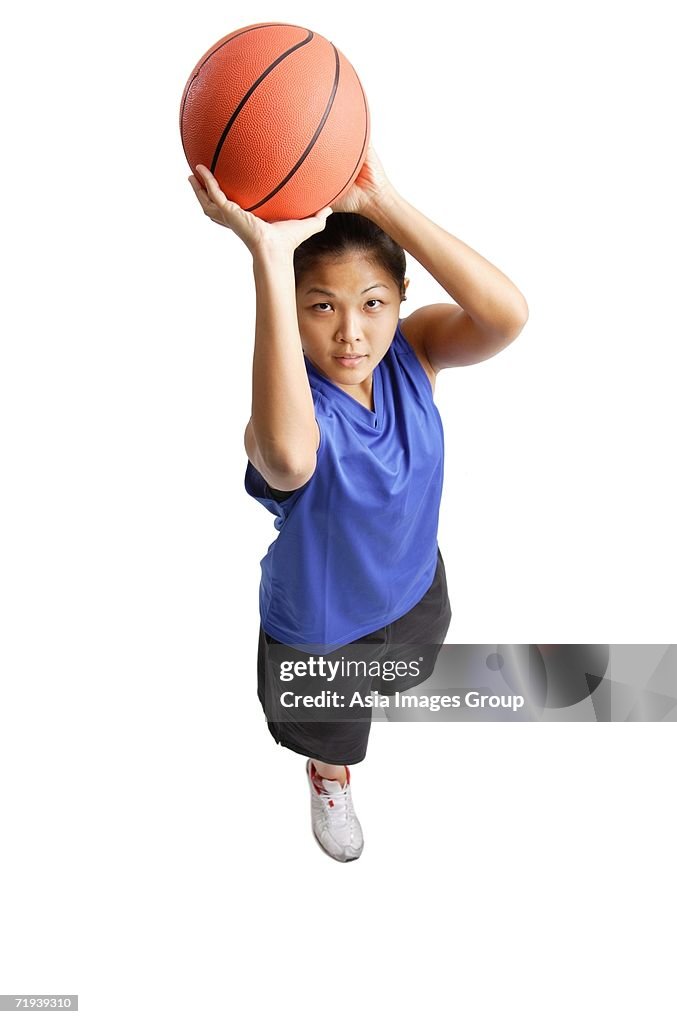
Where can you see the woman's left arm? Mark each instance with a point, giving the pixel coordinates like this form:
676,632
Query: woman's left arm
492,309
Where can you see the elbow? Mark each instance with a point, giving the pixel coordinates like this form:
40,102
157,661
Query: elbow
522,314
286,463
517,321
287,471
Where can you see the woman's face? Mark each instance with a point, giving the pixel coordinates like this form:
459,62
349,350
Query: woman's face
347,313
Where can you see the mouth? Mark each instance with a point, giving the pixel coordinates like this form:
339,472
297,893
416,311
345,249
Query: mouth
350,361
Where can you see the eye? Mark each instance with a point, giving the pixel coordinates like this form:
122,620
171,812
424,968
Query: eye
317,304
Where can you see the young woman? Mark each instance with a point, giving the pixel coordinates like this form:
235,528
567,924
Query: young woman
345,447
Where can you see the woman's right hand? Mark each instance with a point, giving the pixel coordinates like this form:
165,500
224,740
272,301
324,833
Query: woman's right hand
283,235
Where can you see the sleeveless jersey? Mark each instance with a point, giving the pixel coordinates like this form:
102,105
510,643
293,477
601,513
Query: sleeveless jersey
357,544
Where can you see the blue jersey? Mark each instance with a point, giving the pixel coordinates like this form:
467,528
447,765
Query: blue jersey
357,544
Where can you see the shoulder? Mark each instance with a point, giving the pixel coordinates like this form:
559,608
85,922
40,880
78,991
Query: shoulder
413,330
443,335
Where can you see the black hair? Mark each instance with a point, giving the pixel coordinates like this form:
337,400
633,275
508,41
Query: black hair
349,232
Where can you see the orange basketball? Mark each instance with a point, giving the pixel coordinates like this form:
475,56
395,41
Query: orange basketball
279,116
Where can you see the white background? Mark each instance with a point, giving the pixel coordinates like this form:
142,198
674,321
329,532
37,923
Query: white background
155,844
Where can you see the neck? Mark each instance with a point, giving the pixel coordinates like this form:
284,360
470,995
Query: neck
363,393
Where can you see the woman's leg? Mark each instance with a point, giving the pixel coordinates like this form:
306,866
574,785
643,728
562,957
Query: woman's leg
304,731
330,771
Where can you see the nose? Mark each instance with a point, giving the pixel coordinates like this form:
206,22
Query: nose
348,332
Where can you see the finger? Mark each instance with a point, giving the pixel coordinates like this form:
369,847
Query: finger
216,193
199,191
202,197
208,178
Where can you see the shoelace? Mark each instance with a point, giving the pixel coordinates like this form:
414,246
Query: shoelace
337,805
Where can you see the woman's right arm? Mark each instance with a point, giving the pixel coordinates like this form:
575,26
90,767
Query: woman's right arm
282,436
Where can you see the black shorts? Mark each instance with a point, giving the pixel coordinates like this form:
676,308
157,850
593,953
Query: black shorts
340,737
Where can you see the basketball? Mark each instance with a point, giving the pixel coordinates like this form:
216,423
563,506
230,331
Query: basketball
279,116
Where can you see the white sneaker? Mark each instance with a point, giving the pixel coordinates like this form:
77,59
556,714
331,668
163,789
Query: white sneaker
335,824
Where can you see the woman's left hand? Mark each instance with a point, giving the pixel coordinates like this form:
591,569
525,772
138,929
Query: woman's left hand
369,188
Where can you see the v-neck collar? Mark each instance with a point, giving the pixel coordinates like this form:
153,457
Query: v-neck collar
352,407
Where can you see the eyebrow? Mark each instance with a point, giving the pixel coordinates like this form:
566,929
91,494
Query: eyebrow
323,291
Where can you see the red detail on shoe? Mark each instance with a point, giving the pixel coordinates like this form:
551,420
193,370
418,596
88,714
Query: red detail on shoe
313,776
331,803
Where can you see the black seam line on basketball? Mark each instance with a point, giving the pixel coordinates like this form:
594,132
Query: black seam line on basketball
360,158
246,96
330,104
268,24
